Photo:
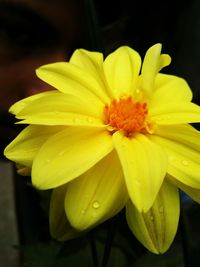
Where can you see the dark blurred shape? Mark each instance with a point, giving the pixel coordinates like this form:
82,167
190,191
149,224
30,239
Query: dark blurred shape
24,33
32,33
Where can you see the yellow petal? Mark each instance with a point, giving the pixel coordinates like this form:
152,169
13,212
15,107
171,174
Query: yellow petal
69,78
91,62
174,113
165,60
68,154
144,165
152,64
23,170
20,105
62,109
60,227
25,146
97,195
156,228
190,191
121,70
169,88
183,133
182,144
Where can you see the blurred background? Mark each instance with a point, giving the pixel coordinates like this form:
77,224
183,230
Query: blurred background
37,32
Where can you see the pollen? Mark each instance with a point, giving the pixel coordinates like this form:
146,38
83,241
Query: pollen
126,115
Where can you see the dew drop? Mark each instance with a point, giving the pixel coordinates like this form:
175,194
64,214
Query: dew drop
185,162
151,218
161,209
83,211
110,128
95,205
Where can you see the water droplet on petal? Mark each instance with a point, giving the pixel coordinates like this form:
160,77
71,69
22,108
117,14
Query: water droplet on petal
95,205
110,128
83,211
161,209
185,162
152,218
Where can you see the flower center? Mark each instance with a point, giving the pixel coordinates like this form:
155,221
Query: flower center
127,116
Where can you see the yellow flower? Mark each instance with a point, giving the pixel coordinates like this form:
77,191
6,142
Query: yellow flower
122,133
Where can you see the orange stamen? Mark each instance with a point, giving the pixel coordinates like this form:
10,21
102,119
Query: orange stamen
126,115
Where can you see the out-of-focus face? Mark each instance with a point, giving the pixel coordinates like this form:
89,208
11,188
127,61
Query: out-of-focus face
46,29
64,15
18,80
32,33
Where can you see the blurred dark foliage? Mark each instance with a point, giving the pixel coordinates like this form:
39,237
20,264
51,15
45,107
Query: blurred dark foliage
106,26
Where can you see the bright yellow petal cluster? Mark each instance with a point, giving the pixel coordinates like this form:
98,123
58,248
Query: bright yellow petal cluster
112,134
